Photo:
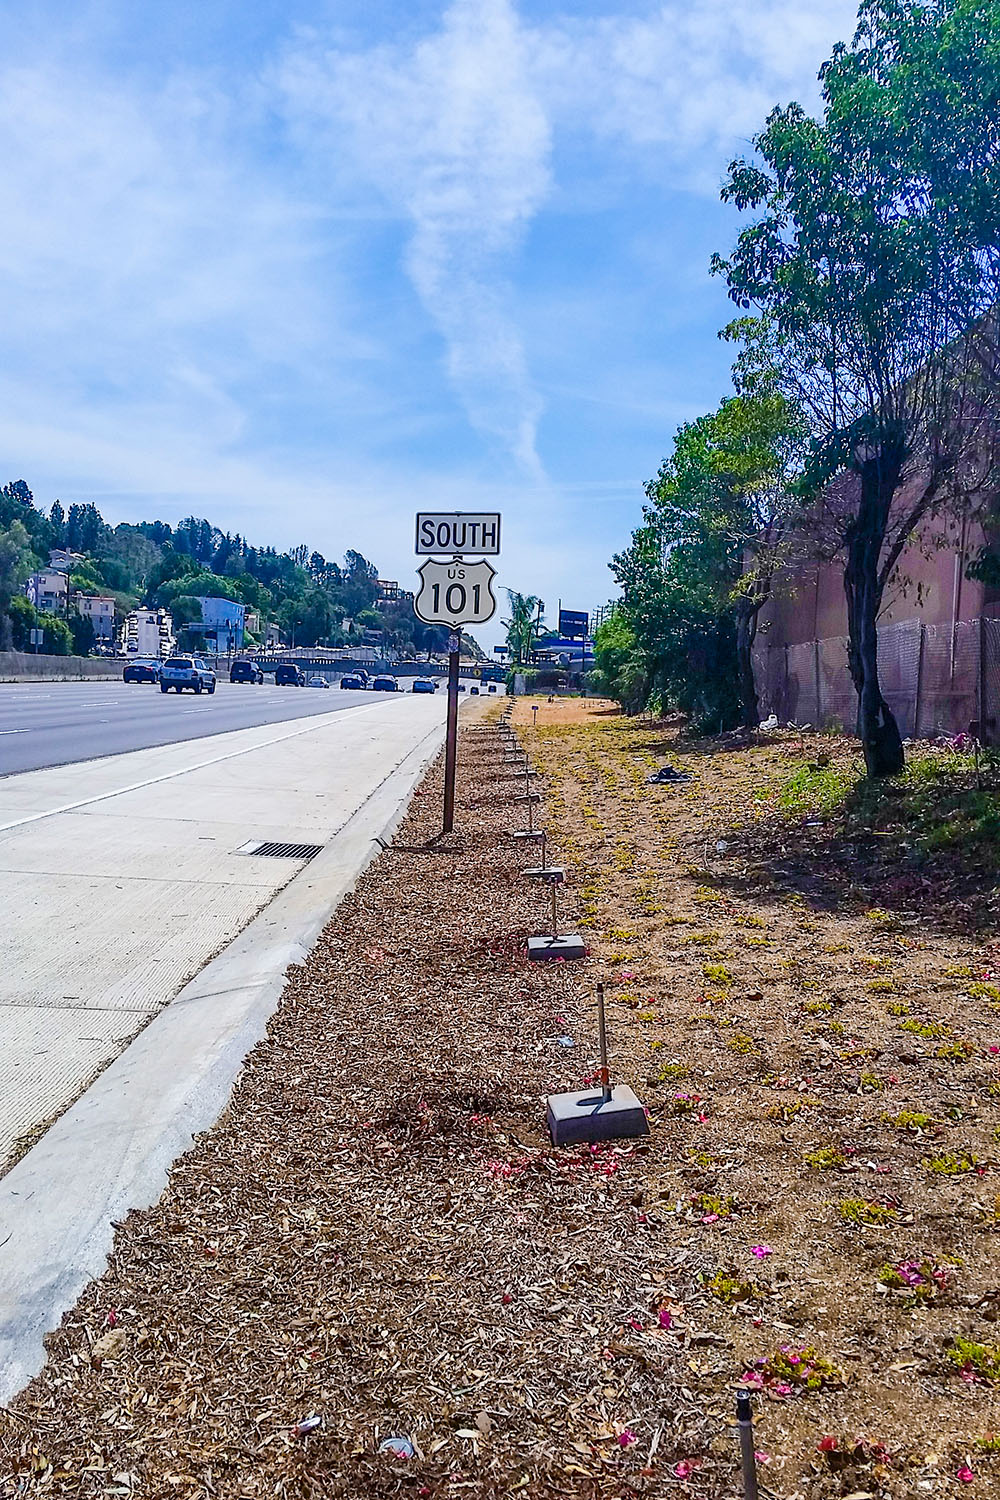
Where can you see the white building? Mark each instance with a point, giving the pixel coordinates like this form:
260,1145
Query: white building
48,590
148,632
64,561
100,611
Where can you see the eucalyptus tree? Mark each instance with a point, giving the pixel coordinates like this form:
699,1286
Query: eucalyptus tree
872,262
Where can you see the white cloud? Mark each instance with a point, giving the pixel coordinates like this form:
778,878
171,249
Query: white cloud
192,320
691,80
452,134
455,132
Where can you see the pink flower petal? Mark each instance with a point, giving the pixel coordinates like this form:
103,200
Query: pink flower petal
761,1251
965,1474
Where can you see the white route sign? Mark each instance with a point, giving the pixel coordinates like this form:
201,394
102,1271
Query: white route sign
448,533
455,593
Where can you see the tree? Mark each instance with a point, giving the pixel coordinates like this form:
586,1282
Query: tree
525,617
16,560
21,618
85,528
82,630
685,646
873,268
619,669
724,499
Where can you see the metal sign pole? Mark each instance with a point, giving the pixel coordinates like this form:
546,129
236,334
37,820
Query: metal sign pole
602,1037
451,744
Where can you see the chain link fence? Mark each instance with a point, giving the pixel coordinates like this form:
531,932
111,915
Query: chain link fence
937,679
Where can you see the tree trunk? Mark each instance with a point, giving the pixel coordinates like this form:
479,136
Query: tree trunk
877,727
746,630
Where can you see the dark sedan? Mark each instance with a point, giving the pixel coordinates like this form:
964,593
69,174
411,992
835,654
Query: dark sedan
141,671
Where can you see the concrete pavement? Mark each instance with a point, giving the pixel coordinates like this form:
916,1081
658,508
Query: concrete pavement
59,723
120,878
111,1150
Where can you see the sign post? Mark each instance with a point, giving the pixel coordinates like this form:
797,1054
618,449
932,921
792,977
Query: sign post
455,593
451,735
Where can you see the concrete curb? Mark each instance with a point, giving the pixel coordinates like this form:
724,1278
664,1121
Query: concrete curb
112,1150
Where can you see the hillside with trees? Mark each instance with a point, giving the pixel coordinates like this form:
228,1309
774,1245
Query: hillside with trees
313,600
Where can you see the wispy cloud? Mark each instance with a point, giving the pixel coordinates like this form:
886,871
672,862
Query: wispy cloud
457,131
203,300
452,133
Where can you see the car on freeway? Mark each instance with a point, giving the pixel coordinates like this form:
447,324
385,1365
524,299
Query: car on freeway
317,681
288,675
384,683
353,681
180,672
424,685
144,670
245,671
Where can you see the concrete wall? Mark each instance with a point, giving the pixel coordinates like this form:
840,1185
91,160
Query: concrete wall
25,666
929,586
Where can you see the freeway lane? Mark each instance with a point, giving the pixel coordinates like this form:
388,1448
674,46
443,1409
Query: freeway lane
60,723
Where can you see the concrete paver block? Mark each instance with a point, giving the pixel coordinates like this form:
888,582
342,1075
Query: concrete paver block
568,945
588,1116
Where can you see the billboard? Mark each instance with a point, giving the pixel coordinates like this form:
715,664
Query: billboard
573,623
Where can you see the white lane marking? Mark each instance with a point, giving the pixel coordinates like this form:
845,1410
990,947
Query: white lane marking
15,731
213,760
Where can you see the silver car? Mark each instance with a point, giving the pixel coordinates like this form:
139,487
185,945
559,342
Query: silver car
180,672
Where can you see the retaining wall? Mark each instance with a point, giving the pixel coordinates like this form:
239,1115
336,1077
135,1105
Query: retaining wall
25,666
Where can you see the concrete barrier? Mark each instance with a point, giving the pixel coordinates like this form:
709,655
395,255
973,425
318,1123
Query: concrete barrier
25,666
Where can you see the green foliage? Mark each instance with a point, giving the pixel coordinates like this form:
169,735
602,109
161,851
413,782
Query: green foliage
171,566
803,1369
862,1213
522,627
16,560
825,1158
620,670
816,789
950,1163
730,1289
872,260
699,568
981,1360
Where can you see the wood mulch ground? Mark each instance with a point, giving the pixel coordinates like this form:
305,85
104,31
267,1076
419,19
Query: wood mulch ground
378,1234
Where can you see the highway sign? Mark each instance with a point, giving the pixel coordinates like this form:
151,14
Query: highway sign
453,533
573,623
455,593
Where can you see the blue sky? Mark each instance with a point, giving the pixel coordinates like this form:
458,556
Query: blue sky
308,267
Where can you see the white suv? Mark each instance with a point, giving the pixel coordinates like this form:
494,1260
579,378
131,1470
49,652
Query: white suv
180,672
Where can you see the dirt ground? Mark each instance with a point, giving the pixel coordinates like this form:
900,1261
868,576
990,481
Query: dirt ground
377,1239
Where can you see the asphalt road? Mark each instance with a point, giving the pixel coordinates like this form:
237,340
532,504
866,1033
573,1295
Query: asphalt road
59,723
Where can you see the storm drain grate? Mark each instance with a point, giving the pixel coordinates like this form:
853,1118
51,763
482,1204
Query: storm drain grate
282,851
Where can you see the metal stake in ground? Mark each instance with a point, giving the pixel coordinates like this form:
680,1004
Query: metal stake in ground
555,944
451,735
602,1042
748,1457
607,1114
